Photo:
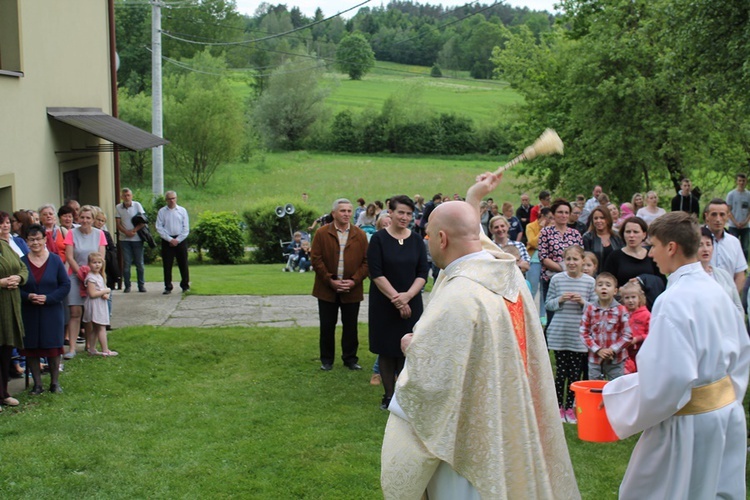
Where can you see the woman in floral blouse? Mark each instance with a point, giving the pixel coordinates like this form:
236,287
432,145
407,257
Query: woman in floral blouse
553,240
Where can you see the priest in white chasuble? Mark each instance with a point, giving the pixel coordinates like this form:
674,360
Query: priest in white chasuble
475,413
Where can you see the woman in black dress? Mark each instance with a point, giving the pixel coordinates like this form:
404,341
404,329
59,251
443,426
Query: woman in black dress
632,260
398,270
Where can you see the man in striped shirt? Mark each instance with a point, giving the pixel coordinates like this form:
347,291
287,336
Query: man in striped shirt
339,259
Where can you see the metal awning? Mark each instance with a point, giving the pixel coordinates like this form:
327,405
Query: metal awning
121,134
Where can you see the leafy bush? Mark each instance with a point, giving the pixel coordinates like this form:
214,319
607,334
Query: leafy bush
221,234
436,72
266,229
344,135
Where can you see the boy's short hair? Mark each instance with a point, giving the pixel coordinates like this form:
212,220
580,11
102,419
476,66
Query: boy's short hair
512,250
679,227
608,276
741,176
297,233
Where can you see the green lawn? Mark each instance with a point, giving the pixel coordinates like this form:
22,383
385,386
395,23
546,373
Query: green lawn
241,279
223,413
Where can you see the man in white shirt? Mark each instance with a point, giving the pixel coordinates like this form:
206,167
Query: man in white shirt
130,242
173,226
738,201
727,249
590,205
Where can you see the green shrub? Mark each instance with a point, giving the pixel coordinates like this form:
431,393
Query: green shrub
266,229
344,135
435,71
221,234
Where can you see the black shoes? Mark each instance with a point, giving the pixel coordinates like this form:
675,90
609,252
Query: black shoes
166,292
326,367
353,366
126,290
55,389
37,390
385,403
142,289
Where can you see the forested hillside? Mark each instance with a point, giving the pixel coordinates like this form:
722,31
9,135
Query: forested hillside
406,32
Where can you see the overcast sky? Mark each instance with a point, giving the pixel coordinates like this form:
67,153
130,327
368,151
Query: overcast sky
331,7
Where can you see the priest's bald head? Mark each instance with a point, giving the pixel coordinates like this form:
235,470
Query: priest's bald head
454,232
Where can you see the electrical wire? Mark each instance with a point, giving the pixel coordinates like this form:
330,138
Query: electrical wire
276,35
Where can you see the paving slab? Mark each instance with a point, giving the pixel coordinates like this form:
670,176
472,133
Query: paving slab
209,311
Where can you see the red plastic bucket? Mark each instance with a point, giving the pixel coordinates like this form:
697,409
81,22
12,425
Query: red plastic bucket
593,424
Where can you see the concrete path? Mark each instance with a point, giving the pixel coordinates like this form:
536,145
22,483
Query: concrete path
154,309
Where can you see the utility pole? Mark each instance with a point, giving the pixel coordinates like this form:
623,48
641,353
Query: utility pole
157,153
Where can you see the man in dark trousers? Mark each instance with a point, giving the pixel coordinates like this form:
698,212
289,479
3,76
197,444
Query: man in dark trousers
339,258
173,225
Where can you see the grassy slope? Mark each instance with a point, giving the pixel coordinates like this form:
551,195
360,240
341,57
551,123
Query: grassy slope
482,100
485,101
326,177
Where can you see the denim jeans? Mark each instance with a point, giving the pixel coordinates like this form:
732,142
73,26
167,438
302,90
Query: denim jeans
132,253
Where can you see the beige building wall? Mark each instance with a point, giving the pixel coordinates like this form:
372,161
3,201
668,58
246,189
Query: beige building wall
64,58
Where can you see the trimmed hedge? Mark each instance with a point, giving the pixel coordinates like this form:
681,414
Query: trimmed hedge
221,234
266,229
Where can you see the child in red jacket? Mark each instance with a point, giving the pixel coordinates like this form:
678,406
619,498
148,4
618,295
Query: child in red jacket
633,298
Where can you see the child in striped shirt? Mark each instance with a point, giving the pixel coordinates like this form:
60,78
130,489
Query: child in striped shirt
569,292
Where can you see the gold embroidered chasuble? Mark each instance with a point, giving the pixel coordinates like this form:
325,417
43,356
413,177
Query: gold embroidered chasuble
470,397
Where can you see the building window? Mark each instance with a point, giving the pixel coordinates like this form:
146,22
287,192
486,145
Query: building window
10,39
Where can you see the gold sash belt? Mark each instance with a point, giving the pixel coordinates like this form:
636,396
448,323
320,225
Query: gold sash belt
709,397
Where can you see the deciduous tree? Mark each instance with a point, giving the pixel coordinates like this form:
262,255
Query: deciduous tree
203,119
293,101
354,56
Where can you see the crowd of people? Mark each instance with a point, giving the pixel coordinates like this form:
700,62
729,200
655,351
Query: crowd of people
555,242
597,268
58,269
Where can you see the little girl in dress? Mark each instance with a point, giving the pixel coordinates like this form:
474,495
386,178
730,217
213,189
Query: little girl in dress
95,310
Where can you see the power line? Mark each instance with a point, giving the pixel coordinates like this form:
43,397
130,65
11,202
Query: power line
277,35
332,60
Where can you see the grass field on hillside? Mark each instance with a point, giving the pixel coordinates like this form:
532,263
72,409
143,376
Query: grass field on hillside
484,101
326,177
